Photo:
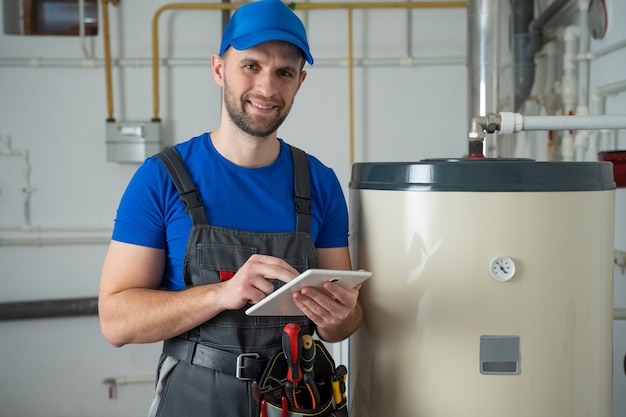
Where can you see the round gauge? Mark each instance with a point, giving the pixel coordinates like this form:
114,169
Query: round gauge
502,268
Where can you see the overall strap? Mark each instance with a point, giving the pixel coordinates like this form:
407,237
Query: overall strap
187,191
301,180
190,196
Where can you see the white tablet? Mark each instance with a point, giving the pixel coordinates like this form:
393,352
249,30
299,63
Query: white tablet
280,302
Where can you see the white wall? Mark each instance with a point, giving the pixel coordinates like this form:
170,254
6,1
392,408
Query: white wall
57,366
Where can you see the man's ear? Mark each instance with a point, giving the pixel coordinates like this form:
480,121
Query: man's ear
303,74
217,67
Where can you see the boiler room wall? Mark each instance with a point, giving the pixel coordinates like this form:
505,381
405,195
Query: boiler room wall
53,106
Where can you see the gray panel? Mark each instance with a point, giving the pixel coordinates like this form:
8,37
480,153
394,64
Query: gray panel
499,355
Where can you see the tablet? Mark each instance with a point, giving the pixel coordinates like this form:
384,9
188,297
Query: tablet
280,302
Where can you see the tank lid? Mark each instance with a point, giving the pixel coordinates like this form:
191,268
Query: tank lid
483,174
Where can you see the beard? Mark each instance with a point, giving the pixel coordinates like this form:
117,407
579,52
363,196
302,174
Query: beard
259,126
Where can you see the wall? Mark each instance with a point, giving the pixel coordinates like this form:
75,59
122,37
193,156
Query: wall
57,113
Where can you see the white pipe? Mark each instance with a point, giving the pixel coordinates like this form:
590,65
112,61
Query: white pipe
41,236
190,62
39,241
581,140
583,62
608,139
515,122
67,236
607,50
611,88
569,87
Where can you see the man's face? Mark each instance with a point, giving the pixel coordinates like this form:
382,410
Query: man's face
260,85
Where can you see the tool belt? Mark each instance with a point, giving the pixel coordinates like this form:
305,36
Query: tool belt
318,390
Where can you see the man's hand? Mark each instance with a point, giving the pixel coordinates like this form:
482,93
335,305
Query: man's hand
254,281
329,307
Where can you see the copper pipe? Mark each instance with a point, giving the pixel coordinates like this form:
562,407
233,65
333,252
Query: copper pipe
107,59
155,41
294,6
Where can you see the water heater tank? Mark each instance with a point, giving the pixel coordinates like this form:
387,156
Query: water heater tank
492,288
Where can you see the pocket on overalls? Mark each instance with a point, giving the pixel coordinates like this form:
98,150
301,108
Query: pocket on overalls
219,262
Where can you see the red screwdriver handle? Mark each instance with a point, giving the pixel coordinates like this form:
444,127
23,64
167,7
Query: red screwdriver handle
292,347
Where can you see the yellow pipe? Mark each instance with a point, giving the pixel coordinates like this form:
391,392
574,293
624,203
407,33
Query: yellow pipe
295,6
155,40
380,5
107,59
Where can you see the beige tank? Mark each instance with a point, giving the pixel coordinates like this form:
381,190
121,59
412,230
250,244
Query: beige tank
492,289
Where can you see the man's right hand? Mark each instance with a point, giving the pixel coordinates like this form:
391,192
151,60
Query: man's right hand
254,281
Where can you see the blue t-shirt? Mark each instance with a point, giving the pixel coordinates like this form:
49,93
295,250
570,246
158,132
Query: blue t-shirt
252,199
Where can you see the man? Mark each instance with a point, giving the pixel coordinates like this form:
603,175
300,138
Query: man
184,273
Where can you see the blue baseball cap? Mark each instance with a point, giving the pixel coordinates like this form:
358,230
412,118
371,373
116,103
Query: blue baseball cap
264,21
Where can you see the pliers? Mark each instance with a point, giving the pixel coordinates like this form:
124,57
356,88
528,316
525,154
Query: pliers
284,409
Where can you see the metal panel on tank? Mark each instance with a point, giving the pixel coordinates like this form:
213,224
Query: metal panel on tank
492,288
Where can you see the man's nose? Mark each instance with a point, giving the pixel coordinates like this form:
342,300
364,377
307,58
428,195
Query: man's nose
266,83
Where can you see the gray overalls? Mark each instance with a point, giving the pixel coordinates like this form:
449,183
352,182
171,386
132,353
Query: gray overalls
209,370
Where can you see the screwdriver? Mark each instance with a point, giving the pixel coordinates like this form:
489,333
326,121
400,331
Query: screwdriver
292,348
308,363
308,354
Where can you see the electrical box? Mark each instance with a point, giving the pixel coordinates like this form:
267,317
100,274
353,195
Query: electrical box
132,141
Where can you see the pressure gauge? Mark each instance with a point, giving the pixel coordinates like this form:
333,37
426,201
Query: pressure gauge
502,268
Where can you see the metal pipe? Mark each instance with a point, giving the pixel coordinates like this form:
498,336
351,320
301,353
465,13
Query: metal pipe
619,313
489,59
70,307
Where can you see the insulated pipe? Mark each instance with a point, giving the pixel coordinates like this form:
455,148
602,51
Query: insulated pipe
49,308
